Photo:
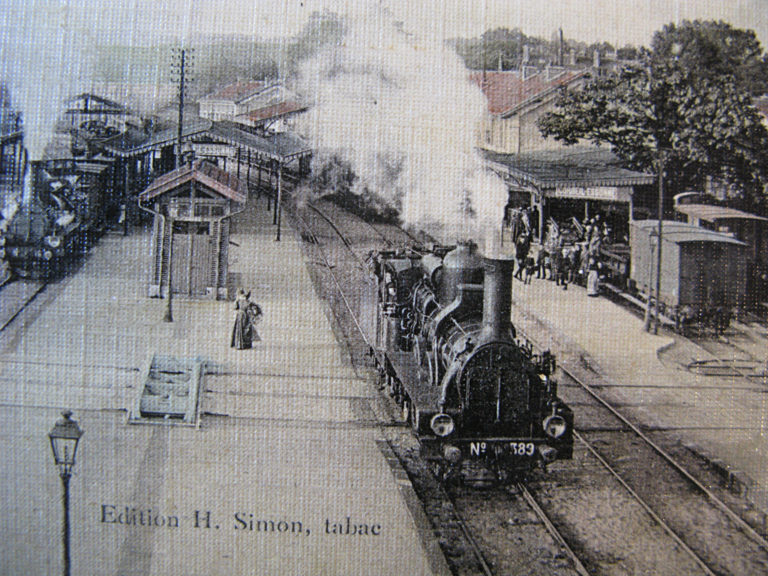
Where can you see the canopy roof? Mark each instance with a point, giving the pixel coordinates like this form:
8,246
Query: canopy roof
572,166
201,171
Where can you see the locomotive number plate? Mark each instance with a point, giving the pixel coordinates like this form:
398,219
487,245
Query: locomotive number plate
522,448
513,448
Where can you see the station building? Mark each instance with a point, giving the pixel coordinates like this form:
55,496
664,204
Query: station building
545,176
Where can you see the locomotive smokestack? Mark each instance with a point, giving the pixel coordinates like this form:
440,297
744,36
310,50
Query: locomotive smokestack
497,298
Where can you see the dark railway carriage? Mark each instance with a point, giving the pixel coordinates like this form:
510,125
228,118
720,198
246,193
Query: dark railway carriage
478,399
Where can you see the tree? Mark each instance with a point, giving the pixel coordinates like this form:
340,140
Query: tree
689,96
501,48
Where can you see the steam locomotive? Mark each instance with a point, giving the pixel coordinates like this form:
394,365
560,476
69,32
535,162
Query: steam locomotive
481,401
63,211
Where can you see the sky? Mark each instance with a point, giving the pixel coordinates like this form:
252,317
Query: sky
45,44
147,21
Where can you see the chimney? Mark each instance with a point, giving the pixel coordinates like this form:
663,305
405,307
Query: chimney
497,299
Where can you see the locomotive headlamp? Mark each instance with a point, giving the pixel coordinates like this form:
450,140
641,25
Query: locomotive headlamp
442,424
53,241
555,426
47,254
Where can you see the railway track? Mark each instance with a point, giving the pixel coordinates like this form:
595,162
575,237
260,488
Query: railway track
473,543
15,297
691,527
711,532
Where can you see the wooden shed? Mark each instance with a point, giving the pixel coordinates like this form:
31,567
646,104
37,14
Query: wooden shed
192,207
699,268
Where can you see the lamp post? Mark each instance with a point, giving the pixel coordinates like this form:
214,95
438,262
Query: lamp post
279,201
652,236
64,438
662,164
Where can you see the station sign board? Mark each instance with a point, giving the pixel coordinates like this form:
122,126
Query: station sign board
605,193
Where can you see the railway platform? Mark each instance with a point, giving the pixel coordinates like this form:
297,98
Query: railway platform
721,418
282,470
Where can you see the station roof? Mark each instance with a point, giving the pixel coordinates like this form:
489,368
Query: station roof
574,166
281,146
134,141
712,213
201,171
682,232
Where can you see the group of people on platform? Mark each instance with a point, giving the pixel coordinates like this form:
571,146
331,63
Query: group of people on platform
578,261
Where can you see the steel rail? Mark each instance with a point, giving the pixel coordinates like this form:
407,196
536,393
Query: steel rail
330,271
553,531
740,522
756,536
474,546
27,302
660,521
735,370
472,542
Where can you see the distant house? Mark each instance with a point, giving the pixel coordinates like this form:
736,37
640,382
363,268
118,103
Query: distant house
232,100
272,109
516,100
97,115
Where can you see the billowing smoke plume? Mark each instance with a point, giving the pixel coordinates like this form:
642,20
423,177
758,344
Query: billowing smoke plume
44,61
401,111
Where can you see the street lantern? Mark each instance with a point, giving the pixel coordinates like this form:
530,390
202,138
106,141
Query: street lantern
64,438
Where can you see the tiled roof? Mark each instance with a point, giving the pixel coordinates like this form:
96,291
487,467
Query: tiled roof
509,90
570,166
274,111
201,171
237,91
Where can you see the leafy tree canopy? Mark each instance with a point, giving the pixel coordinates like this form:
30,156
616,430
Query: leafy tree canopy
690,97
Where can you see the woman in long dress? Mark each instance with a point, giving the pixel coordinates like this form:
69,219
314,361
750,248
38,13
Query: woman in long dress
242,333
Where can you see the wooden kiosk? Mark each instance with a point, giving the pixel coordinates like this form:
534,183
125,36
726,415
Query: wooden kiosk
192,206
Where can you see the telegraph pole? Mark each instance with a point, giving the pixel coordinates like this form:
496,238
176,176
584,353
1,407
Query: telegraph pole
179,70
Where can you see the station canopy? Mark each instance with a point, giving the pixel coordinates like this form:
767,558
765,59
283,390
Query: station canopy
280,146
579,172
